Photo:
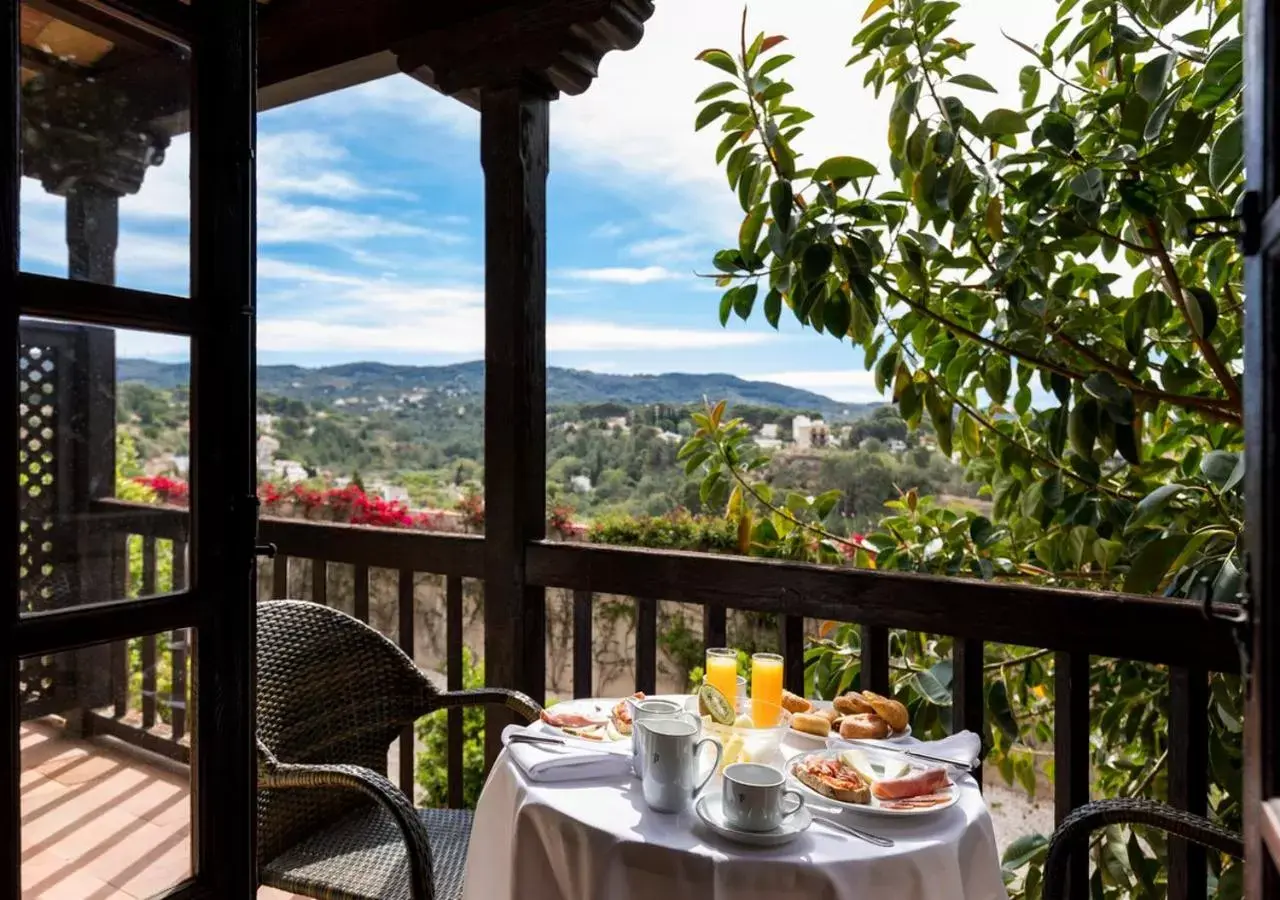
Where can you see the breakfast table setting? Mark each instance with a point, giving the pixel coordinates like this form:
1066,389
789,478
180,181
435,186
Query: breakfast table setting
721,795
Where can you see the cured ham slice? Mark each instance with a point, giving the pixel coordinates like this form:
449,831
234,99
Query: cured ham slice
570,720
917,784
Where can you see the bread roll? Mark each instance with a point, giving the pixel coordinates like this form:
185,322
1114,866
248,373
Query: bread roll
830,714
890,710
811,724
863,726
794,703
851,704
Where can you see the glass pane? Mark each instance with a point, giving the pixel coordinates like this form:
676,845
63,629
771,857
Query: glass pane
106,738
102,464
105,193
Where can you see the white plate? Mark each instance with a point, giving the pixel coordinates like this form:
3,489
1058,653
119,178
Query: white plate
587,706
710,809
822,741
873,808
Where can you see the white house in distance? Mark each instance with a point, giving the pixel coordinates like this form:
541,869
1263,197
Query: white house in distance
809,433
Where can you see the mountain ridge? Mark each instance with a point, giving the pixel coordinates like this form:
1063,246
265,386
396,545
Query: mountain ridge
564,385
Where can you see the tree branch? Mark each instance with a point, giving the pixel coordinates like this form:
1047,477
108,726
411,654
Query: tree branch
1174,285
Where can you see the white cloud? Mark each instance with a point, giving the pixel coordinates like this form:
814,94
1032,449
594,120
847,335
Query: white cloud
307,163
670,246
607,231
621,275
853,385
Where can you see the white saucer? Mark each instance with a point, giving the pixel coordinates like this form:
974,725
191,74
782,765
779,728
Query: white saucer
710,810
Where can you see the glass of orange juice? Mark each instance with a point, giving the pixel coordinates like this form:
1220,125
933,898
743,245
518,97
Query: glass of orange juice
722,671
766,689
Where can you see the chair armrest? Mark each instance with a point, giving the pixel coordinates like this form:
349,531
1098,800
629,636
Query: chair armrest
513,700
1072,835
276,775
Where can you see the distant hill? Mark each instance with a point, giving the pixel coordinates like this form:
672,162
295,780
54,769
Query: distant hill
369,380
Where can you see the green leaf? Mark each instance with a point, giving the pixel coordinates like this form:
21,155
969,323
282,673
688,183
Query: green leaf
1219,465
816,261
1222,75
1024,850
749,232
1060,131
780,201
1165,11
1138,197
774,62
1088,185
1237,475
1203,310
974,82
726,305
718,58
772,307
1003,121
837,314
996,377
1126,438
875,7
1227,156
1153,504
719,89
744,300
1152,563
844,167
1082,427
1152,77
935,683
970,436
1159,116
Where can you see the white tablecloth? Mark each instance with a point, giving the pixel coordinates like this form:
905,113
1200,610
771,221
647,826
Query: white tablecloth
598,841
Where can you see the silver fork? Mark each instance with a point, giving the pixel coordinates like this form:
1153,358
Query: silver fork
856,832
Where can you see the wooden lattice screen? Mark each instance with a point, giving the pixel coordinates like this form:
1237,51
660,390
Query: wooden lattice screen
66,384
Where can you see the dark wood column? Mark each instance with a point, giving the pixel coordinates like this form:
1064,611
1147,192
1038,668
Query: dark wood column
514,150
93,232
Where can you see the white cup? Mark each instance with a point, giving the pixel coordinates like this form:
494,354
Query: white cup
649,710
755,798
671,779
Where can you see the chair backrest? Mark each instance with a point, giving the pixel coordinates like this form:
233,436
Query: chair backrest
330,690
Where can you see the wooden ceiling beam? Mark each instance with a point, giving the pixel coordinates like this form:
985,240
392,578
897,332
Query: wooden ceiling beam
559,42
138,26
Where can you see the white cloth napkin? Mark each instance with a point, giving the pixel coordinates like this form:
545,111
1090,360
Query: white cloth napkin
961,746
572,761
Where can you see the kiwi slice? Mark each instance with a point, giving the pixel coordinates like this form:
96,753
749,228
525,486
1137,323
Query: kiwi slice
713,702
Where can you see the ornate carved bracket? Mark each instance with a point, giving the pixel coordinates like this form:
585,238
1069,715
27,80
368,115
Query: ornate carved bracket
77,130
557,43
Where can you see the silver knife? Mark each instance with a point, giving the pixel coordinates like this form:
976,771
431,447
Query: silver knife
959,764
856,832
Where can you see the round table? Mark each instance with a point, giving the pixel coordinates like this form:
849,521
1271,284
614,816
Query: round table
597,840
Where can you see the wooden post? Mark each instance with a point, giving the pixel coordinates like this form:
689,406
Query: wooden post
1071,754
514,149
93,231
1188,775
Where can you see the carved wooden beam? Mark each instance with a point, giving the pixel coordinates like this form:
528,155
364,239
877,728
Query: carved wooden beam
557,42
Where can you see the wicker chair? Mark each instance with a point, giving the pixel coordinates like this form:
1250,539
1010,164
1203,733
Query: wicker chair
333,694
1072,835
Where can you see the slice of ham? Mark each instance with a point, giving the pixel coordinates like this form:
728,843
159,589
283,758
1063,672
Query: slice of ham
917,784
917,802
570,720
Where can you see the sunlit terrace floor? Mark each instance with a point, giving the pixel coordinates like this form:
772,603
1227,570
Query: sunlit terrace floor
101,821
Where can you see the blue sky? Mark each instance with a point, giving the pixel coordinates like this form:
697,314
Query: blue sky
371,211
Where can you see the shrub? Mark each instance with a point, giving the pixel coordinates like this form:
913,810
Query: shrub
433,736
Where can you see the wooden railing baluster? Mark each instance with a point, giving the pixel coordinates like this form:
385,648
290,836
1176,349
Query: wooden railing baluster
792,642
714,626
582,655
968,691
407,746
178,650
1071,753
280,577
320,581
646,645
120,649
148,652
360,602
453,674
1188,775
875,659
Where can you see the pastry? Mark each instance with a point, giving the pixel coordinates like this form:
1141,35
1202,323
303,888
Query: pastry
891,711
863,726
830,714
794,703
811,724
851,704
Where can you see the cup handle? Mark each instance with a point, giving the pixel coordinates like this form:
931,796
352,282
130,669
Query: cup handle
799,802
697,751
